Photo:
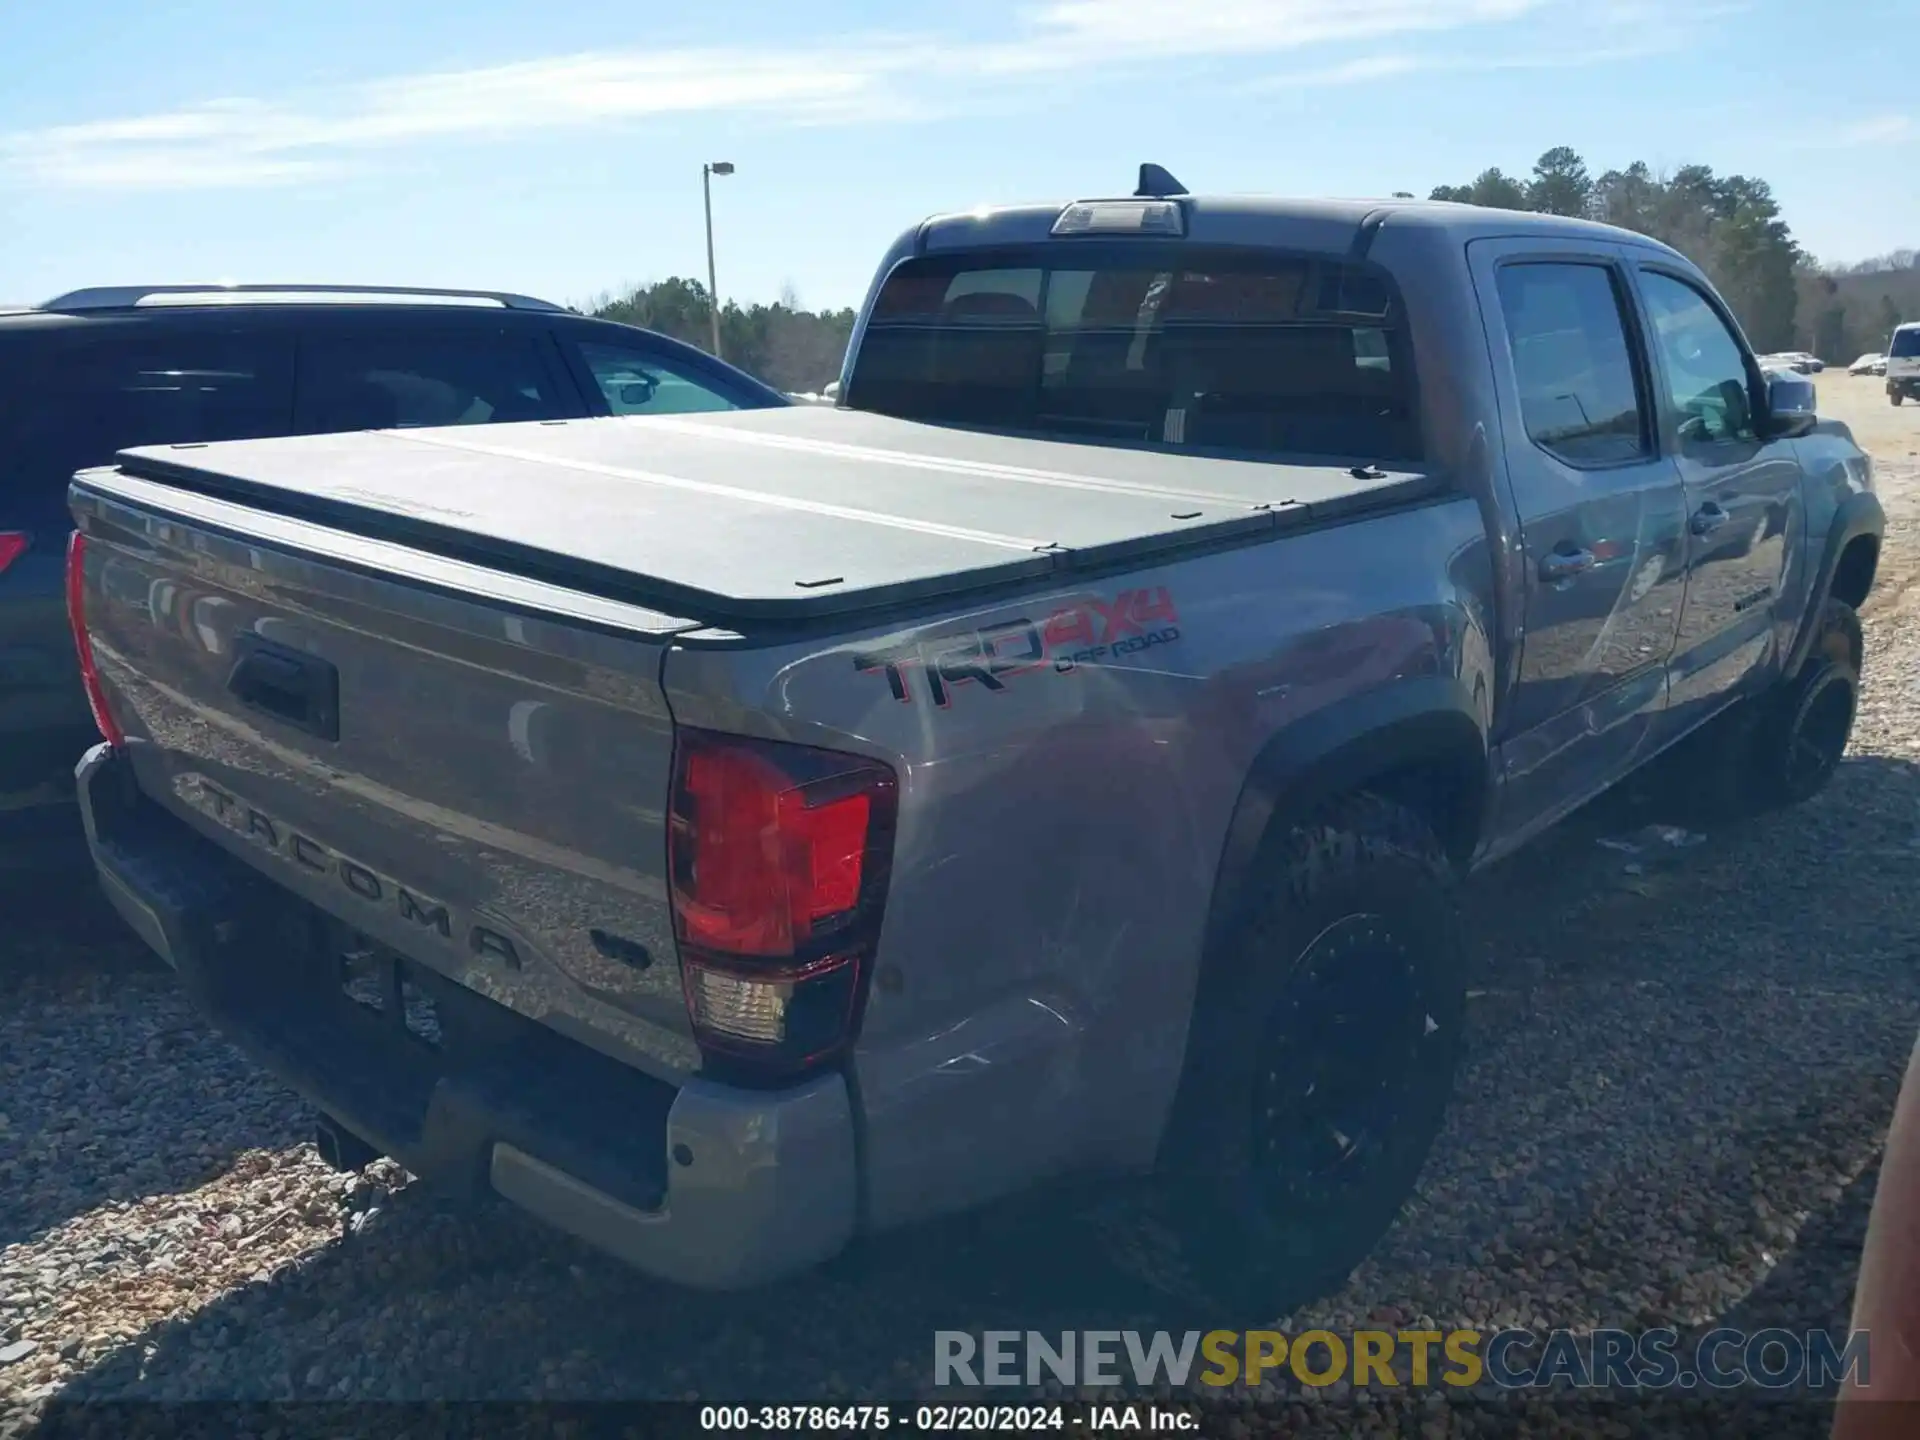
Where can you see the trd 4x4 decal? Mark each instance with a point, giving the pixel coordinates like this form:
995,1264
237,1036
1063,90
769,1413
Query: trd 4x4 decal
1083,633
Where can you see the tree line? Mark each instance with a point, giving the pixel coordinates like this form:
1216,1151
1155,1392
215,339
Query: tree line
1728,225
789,347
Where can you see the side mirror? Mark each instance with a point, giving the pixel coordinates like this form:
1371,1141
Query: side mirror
1792,405
638,392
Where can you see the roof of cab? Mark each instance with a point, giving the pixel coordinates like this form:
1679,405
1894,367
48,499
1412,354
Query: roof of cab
1341,225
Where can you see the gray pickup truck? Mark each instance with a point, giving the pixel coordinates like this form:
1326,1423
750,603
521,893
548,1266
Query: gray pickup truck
727,836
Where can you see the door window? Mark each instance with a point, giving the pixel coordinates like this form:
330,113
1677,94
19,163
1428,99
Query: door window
637,382
1707,381
1580,397
392,380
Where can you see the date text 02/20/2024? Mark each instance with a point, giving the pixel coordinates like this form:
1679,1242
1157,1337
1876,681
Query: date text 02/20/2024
944,1419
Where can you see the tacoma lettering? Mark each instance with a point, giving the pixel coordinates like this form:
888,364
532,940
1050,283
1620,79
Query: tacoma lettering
363,882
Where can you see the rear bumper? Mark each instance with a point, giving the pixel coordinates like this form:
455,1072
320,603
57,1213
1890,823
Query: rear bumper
706,1185
1907,385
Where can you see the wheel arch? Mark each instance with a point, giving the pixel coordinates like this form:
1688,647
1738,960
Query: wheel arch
1854,573
1419,742
1849,563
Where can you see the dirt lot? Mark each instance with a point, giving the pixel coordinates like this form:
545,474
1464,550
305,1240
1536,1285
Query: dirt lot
1682,1068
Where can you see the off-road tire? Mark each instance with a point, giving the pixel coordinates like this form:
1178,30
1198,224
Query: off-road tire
1780,747
1353,945
1806,723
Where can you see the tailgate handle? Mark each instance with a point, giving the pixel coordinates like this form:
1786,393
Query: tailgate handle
301,689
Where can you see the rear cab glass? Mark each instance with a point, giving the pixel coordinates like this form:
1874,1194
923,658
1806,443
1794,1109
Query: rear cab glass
1906,342
1163,344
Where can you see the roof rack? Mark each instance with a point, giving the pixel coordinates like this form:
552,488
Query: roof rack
125,297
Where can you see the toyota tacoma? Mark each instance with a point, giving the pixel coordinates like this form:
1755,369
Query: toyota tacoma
727,836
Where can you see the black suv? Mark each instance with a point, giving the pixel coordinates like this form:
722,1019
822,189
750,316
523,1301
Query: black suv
95,371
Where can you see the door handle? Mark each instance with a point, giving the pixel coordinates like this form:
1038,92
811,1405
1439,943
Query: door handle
1708,518
301,689
1565,564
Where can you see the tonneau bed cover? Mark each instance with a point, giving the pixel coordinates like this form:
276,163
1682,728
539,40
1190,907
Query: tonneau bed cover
768,515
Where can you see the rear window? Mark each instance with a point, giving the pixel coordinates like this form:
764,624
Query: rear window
1165,345
1905,342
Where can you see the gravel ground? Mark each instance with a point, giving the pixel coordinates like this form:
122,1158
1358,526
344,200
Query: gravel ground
1682,1071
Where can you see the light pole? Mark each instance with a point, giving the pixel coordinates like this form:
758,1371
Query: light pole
707,172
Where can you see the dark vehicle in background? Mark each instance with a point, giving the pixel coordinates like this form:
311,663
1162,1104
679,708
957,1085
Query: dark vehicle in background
94,371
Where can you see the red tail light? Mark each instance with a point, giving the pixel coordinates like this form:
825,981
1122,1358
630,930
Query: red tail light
12,546
83,642
778,858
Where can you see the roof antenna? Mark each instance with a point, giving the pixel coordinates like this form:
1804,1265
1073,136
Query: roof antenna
1157,182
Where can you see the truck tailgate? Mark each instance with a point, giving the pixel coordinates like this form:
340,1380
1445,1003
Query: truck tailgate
471,783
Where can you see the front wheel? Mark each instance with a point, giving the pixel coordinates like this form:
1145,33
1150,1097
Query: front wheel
1803,733
1782,746
1320,1061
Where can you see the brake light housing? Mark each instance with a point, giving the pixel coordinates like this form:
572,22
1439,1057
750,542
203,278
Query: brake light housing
778,862
13,544
103,719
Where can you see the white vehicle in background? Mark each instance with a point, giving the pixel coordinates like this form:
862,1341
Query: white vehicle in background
1903,363
1872,363
829,395
1793,360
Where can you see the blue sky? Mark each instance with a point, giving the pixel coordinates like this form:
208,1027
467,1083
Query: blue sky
557,148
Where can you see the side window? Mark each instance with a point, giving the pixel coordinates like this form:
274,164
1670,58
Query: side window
392,380
638,382
1706,369
1579,396
76,404
1370,350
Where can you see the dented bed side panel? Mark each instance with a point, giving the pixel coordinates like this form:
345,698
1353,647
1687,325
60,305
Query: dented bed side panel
1069,762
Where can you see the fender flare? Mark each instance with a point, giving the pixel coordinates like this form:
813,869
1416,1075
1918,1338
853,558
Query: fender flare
1340,748
1860,514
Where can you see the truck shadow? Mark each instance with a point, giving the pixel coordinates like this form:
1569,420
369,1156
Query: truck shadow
1732,1017
111,1087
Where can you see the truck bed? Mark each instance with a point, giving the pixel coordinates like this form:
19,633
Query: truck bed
769,515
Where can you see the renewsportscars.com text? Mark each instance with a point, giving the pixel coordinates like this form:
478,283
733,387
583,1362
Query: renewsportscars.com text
1508,1359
